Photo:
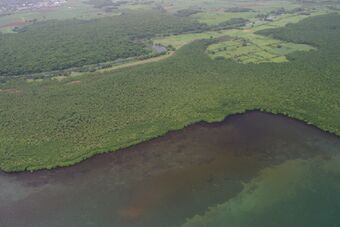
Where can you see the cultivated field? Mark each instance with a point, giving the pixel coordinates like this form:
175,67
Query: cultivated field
244,45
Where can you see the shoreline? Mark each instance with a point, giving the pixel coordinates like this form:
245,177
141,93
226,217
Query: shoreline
169,132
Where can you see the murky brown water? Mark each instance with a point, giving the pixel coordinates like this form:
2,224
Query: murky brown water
161,182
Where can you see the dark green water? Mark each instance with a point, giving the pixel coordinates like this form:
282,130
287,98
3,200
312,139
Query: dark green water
254,169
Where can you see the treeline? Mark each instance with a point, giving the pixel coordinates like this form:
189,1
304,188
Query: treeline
304,32
230,24
187,12
56,45
238,10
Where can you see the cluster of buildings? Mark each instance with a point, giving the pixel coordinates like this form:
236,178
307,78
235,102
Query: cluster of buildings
9,6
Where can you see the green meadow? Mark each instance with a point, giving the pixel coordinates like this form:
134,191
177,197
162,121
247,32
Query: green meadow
213,18
247,47
244,45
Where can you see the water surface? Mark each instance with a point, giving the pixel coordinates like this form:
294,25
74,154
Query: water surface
168,180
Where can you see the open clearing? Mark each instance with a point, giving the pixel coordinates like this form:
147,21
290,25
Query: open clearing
247,47
213,18
138,62
243,45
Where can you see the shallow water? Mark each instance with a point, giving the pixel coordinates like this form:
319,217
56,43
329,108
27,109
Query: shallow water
168,180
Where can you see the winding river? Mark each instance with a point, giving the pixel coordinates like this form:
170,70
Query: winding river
168,180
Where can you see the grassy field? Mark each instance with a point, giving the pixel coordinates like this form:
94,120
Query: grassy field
285,19
219,11
212,12
244,45
213,18
58,123
247,47
180,40
220,5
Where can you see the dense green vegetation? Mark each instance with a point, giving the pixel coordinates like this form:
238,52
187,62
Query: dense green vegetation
56,45
229,24
238,10
50,123
79,45
186,12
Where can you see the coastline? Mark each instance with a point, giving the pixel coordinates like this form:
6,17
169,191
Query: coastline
170,131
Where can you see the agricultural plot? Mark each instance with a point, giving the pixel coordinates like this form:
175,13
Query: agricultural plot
267,6
246,10
221,5
208,8
177,41
247,47
175,5
285,19
243,45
